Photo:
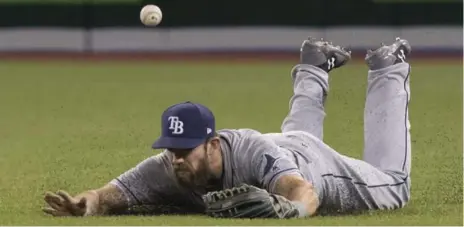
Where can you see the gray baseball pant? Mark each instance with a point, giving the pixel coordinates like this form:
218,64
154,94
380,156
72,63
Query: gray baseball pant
382,179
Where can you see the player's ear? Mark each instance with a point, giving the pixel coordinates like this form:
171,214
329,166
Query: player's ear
215,143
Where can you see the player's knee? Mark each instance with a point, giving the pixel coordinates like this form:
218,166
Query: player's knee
405,195
402,190
400,195
408,192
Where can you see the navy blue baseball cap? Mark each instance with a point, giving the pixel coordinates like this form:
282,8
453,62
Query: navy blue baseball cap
185,126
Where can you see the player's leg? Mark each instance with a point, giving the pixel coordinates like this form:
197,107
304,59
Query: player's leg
310,86
387,140
381,180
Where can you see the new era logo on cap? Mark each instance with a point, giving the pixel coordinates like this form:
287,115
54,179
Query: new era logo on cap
185,126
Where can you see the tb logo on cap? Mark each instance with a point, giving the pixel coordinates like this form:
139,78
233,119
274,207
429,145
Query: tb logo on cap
176,125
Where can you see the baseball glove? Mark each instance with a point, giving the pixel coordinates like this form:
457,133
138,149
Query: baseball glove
248,201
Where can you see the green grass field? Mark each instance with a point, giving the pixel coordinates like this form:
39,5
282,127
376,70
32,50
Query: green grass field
75,126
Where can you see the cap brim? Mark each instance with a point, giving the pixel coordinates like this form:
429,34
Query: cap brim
177,143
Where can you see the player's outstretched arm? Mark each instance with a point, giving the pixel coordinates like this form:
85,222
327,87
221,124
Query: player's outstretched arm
299,192
106,200
135,187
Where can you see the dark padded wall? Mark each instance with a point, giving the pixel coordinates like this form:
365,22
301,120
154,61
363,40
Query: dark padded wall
177,13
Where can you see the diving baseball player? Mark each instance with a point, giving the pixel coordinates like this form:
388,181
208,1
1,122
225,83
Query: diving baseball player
242,173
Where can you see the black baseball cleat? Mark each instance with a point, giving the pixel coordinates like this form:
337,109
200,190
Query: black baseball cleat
323,54
385,56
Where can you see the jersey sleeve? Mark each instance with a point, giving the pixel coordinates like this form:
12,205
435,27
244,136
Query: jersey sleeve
147,183
269,162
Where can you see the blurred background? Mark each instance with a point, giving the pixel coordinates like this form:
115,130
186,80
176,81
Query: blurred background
102,26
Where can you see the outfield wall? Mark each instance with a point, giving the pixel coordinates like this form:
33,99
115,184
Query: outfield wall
89,26
433,39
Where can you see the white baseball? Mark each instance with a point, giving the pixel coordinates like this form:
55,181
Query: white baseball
151,15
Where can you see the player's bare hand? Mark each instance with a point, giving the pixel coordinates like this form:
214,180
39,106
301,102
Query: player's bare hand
62,204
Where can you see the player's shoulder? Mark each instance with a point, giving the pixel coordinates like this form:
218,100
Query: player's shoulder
240,132
245,140
162,158
241,136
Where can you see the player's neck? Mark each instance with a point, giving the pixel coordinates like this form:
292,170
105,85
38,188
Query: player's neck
217,164
215,180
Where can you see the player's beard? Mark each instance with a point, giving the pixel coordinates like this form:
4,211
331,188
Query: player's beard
187,177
